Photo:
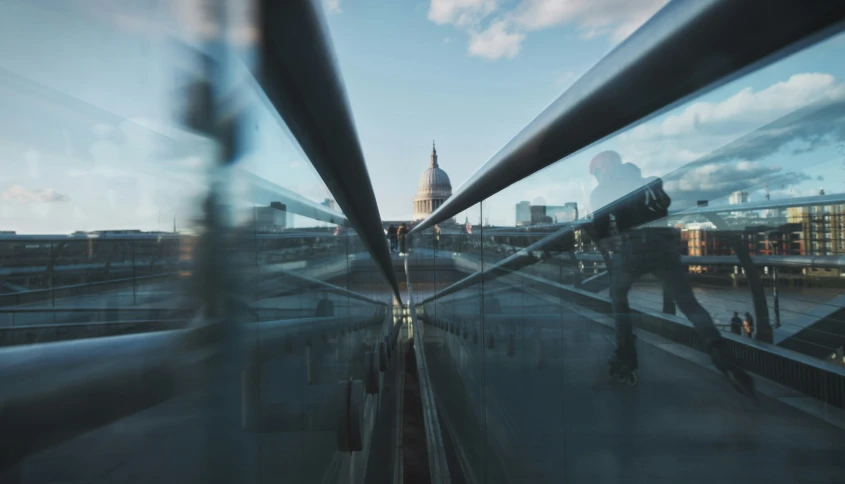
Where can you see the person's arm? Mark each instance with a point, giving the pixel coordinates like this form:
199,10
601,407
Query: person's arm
657,200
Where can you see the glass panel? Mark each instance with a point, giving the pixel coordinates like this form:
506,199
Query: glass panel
726,208
266,316
454,337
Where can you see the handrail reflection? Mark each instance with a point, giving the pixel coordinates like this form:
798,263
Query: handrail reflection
52,392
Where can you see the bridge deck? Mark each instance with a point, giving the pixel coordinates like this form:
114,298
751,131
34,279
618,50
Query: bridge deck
565,422
568,423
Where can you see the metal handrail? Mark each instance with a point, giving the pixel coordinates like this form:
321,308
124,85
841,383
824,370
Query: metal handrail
815,200
127,309
266,192
802,261
322,285
53,392
46,390
288,234
687,48
507,265
14,271
306,89
523,257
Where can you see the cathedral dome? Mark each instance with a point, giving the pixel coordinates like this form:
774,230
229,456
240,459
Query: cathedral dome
434,180
433,188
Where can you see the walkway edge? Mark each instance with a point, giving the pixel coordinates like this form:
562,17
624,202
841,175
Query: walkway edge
399,442
439,467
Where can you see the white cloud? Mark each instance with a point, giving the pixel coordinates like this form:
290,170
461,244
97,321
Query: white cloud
615,18
332,6
497,32
693,132
187,20
461,13
565,79
706,179
496,42
23,195
102,130
745,110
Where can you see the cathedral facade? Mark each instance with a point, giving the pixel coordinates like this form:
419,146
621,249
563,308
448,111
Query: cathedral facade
433,189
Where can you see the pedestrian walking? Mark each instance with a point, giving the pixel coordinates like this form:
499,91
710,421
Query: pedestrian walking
736,324
748,325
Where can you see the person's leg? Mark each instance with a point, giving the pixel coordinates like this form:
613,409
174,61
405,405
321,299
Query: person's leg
670,271
622,277
672,276
681,291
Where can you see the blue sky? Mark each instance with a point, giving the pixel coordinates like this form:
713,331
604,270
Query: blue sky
473,73
411,78
91,139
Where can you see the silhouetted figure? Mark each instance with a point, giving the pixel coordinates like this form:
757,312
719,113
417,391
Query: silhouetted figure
748,325
325,307
736,324
624,201
402,235
391,237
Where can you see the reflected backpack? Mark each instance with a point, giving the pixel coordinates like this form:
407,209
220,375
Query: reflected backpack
643,205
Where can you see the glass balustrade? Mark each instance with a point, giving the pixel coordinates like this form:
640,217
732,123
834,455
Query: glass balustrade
519,316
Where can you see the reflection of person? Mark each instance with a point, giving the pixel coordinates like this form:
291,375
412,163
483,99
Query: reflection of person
623,201
401,234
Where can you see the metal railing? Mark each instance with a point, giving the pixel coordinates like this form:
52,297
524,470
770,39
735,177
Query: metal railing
306,89
686,49
46,390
